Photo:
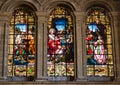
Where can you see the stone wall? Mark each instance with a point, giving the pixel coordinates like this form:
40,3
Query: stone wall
43,8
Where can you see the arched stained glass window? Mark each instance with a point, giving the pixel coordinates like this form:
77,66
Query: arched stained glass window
60,56
22,44
99,43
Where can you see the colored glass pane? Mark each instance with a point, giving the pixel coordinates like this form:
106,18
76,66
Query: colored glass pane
60,56
99,43
22,44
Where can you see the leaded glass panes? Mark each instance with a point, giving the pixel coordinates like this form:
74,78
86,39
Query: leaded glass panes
60,56
22,44
99,43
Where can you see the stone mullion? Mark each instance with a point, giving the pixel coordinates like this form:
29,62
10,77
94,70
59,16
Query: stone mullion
81,72
39,51
1,47
41,64
45,49
4,31
116,42
5,49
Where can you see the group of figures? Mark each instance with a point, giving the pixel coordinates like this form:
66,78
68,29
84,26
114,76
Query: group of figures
60,53
96,44
60,44
24,48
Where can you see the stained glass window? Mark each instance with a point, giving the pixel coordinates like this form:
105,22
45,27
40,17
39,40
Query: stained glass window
99,43
22,44
60,56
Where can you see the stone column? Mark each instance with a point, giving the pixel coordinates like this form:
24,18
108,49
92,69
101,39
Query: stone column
116,44
80,46
41,46
4,28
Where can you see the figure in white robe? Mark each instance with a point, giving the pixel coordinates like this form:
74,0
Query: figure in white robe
99,51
